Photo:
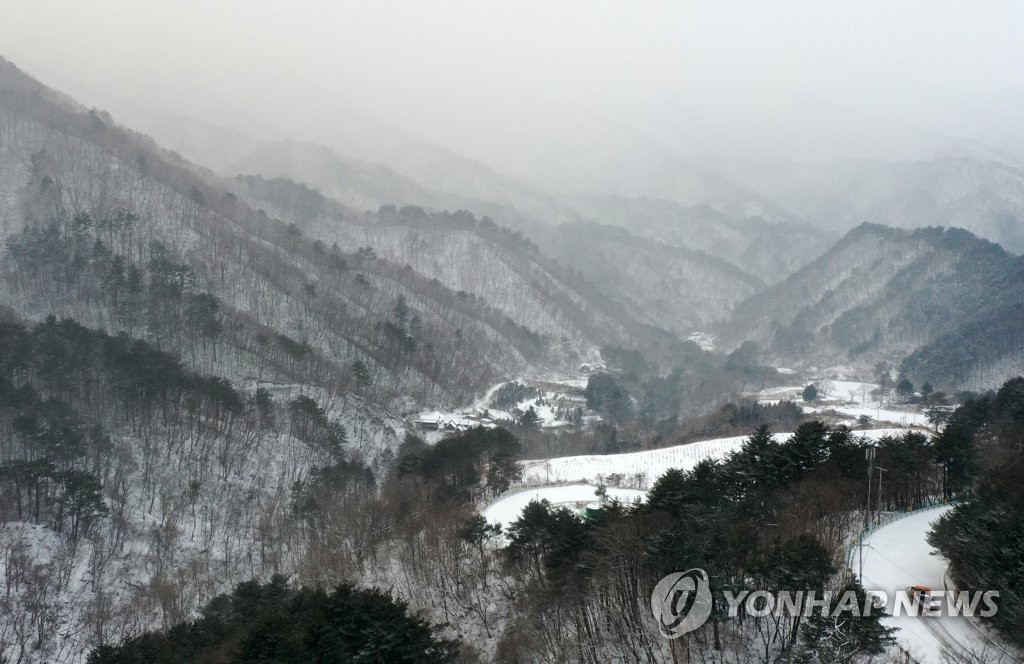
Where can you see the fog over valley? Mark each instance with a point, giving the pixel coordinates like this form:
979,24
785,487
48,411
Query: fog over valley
511,86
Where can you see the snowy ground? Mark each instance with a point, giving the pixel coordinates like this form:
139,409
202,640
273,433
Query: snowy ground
898,556
555,391
641,469
703,339
508,508
903,418
846,392
850,399
573,480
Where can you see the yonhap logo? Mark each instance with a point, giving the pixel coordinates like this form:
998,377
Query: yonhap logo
681,602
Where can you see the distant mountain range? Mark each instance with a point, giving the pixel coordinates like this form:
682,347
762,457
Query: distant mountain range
953,183
339,252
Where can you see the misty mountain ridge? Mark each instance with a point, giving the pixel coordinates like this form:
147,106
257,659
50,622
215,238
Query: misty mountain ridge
881,294
983,195
64,165
449,180
769,250
706,294
366,185
935,180
664,249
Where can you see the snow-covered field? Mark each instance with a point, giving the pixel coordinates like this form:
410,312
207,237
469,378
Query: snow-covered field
903,418
508,508
847,390
829,391
898,556
641,469
574,480
850,399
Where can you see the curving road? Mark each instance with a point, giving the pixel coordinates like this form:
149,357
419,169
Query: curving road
897,556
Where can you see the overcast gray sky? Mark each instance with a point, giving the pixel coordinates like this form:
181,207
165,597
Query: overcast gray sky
507,82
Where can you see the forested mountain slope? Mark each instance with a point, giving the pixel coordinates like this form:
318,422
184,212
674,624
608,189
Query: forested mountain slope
882,293
102,225
177,369
133,489
975,354
602,282
675,288
667,286
479,260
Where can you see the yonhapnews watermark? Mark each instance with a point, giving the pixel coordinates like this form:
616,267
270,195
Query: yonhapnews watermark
682,602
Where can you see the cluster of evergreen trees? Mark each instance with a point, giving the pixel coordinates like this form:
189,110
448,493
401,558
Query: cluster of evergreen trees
80,260
637,389
50,462
273,623
479,464
772,516
53,461
64,358
511,394
983,537
649,410
418,216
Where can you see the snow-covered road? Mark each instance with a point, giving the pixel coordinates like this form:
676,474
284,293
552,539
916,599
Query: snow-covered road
898,556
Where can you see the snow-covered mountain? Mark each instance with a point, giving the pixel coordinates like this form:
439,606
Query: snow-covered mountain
479,261
319,308
883,293
364,185
667,286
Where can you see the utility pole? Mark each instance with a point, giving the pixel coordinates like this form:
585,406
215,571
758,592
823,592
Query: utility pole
878,504
869,454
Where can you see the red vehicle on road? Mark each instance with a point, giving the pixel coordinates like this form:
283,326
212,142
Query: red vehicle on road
922,597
